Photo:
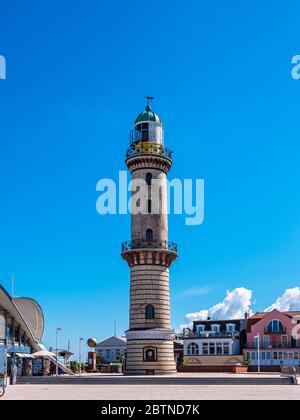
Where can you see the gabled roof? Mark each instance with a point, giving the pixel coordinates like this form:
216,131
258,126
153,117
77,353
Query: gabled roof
260,315
112,341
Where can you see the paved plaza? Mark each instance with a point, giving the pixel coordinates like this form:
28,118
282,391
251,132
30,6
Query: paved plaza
119,387
152,392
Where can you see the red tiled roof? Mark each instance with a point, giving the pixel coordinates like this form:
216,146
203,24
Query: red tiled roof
259,315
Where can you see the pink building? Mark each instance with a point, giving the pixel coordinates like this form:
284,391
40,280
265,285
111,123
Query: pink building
277,335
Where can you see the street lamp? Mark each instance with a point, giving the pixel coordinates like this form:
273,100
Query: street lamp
80,340
57,331
258,355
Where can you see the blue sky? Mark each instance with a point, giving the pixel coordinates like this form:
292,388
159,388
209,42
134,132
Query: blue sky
77,74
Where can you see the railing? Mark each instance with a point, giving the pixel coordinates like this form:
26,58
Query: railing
137,244
210,334
266,346
155,149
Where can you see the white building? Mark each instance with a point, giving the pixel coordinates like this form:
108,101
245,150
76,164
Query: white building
111,349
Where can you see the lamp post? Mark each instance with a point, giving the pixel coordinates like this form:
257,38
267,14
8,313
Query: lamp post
56,350
80,340
258,355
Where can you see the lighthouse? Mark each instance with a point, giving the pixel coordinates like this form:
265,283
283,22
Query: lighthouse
149,254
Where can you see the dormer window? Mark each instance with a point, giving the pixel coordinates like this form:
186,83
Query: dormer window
215,327
200,328
230,328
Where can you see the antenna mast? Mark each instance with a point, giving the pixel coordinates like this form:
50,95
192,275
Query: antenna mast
12,285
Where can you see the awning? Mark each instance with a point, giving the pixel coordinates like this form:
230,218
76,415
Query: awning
43,353
20,355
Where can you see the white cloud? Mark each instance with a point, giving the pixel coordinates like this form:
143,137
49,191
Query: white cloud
197,315
233,306
289,301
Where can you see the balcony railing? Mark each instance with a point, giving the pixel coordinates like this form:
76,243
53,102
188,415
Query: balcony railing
210,334
140,244
155,149
285,345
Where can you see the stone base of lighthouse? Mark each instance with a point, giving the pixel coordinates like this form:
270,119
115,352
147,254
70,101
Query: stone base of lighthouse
150,352
150,341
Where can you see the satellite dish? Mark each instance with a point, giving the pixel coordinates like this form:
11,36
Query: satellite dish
92,342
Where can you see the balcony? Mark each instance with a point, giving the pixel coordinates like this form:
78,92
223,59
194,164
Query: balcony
210,334
140,244
149,148
270,346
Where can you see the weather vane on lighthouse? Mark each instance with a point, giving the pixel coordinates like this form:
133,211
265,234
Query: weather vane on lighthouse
149,100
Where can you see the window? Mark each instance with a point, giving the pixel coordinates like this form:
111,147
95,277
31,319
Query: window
296,355
149,312
266,341
149,235
284,340
143,128
215,327
211,348
193,349
230,327
148,178
275,326
108,355
200,328
205,348
280,355
226,348
149,206
253,355
9,330
17,334
219,348
2,326
275,355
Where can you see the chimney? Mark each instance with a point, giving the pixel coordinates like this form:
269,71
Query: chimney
247,315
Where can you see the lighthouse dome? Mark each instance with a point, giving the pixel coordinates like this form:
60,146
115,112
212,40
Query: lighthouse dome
147,115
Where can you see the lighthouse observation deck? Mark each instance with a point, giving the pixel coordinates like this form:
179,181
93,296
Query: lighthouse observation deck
137,244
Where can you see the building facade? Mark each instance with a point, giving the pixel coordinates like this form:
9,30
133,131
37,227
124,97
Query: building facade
273,339
112,349
149,253
21,330
214,345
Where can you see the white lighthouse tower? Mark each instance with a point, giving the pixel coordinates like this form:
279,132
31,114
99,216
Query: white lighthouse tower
149,254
